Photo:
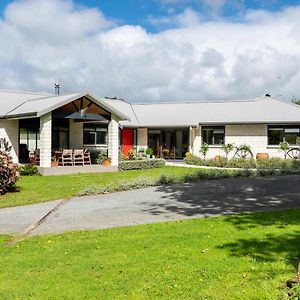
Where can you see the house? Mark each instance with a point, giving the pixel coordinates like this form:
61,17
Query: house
172,129
31,121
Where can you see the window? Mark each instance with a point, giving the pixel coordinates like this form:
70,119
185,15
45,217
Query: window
94,134
60,134
213,135
278,134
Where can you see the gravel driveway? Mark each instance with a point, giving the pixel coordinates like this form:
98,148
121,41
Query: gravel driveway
156,204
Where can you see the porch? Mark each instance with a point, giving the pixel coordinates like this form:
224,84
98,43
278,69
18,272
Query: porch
79,126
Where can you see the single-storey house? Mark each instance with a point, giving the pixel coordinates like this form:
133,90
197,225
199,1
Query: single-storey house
31,121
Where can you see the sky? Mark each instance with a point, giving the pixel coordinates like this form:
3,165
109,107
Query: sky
152,50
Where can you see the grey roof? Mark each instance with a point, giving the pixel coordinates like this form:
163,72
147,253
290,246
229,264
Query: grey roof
18,104
265,110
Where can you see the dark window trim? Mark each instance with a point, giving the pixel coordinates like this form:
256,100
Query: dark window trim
212,128
94,128
283,127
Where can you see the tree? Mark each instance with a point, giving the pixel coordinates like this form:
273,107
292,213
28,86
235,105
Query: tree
204,149
227,148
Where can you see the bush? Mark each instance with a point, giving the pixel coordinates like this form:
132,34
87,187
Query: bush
8,173
141,164
28,170
285,165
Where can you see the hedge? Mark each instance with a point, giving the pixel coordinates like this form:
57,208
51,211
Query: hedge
141,164
272,163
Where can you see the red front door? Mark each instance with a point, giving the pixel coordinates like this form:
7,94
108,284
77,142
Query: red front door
127,140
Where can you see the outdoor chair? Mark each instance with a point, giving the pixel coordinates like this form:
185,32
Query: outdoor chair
67,157
78,157
87,157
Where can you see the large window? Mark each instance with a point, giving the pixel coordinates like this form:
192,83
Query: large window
95,134
213,135
280,133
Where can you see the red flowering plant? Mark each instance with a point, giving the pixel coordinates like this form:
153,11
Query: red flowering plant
8,170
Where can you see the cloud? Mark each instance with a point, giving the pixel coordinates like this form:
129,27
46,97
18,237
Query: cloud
45,41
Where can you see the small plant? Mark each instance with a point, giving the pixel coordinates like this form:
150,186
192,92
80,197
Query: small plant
204,149
284,147
227,148
28,170
131,154
188,154
149,151
101,158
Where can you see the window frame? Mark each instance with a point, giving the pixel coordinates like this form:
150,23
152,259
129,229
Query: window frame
94,128
205,136
285,129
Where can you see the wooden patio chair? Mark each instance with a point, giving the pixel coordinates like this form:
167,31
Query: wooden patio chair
87,157
67,157
78,157
34,157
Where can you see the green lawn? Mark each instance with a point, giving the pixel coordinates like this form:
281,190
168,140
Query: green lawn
234,257
37,189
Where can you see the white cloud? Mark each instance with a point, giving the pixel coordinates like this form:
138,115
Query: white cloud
44,41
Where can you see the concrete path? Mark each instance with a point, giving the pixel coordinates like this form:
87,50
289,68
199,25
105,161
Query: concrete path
155,204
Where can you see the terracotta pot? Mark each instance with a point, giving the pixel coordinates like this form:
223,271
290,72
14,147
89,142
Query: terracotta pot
54,164
262,156
106,163
217,157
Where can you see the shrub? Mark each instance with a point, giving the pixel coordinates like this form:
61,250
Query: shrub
242,163
141,164
8,173
28,170
149,151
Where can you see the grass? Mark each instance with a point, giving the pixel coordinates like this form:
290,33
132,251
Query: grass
234,257
36,189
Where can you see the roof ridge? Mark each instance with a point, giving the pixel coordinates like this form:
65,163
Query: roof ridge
200,102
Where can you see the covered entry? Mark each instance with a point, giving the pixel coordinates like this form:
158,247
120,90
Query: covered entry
169,143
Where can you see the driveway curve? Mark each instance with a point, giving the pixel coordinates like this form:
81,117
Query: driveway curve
156,204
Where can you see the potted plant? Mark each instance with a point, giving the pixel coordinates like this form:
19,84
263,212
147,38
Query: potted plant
149,152
54,162
107,162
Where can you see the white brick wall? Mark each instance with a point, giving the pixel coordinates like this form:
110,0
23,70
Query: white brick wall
45,140
256,136
76,135
142,138
9,129
113,141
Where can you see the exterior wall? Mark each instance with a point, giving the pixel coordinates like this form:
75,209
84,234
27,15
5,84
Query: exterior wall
9,129
76,135
45,140
256,136
142,138
113,141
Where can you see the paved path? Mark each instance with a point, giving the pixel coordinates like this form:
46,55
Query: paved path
155,204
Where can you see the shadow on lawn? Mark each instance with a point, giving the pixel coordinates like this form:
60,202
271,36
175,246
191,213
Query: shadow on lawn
282,244
228,196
